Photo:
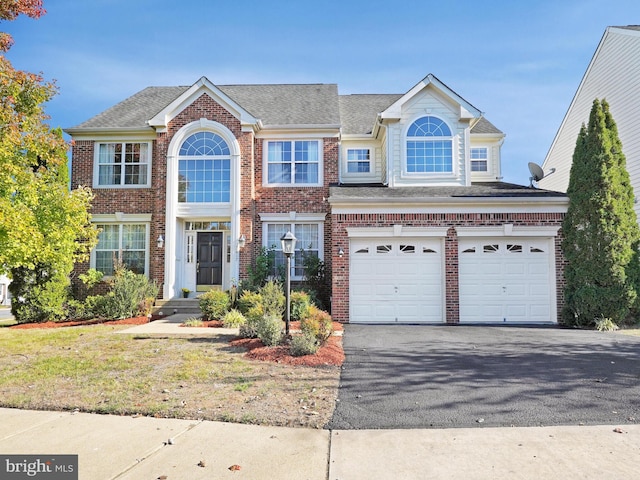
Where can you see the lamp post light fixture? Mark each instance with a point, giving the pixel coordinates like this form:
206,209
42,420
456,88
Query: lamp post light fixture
288,242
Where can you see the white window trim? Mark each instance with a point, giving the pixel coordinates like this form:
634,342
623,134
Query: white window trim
298,220
347,162
487,160
96,164
265,162
125,219
404,173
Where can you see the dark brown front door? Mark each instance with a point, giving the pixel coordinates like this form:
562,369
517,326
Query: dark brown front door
209,271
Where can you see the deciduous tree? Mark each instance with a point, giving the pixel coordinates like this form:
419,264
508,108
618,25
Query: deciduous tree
600,229
44,227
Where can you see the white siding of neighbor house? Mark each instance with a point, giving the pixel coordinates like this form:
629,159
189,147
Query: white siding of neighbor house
614,75
427,103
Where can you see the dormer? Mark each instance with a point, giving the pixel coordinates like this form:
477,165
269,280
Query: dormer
427,136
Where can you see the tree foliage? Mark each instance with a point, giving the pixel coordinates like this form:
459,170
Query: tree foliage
600,229
44,227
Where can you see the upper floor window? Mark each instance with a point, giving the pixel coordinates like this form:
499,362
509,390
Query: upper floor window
123,164
479,157
204,169
429,146
358,160
293,162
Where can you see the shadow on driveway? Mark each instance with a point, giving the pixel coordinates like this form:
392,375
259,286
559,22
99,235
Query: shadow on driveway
464,376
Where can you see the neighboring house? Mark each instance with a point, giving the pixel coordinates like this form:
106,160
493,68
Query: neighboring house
614,75
397,194
4,290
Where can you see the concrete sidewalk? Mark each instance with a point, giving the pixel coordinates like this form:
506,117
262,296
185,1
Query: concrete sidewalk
112,447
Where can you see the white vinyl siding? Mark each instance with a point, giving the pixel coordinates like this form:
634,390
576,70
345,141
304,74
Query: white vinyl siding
612,75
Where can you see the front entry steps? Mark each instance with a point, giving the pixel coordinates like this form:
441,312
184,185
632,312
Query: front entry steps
177,306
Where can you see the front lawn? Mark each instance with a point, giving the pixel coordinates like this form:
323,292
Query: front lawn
92,369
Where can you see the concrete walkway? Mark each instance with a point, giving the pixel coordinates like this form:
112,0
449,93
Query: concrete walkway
171,325
112,447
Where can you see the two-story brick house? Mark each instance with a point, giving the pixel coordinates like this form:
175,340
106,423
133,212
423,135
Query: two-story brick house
399,195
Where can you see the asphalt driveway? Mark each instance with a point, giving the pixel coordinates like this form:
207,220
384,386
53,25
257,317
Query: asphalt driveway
465,376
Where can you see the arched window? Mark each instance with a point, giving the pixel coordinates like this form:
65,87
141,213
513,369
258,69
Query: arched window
204,169
429,146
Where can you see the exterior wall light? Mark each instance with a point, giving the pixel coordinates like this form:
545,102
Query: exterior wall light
160,241
340,252
242,241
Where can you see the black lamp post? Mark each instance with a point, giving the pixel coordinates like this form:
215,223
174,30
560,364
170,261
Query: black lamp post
288,242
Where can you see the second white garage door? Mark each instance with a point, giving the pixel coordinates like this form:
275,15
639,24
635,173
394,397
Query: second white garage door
396,280
506,280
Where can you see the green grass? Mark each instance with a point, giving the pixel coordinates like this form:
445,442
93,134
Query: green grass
95,370
7,322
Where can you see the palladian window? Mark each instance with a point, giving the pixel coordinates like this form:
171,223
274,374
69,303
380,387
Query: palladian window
429,146
204,169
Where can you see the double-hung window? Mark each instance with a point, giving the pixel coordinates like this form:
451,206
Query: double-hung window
479,157
123,164
358,160
293,162
308,241
121,242
429,147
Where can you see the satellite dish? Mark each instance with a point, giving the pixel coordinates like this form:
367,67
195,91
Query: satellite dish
537,173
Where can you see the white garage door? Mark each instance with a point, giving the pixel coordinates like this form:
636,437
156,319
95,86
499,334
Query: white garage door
506,280
396,280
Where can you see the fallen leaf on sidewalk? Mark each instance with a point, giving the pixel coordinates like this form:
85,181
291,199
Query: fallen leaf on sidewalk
234,468
202,464
618,430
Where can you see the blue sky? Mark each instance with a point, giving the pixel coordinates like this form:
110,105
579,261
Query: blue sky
518,62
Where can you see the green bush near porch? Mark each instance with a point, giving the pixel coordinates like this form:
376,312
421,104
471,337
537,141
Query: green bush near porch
214,304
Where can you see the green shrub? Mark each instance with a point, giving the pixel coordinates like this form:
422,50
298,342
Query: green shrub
304,344
300,304
247,300
131,295
253,317
193,322
269,330
317,325
214,304
273,299
233,319
39,294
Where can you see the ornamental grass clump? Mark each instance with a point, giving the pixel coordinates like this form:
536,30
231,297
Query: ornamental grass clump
233,319
214,304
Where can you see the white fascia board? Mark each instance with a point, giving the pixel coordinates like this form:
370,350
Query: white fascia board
396,231
300,131
467,111
146,133
293,217
449,205
508,230
357,137
204,85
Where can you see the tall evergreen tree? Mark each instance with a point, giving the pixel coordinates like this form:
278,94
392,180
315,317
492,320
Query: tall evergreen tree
601,232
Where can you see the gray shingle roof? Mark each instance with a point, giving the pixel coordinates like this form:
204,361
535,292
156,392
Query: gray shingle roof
485,126
359,112
476,190
310,104
306,104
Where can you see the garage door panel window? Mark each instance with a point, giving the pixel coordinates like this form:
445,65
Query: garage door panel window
383,249
514,248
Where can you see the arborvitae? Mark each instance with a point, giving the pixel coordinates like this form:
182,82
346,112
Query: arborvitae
600,229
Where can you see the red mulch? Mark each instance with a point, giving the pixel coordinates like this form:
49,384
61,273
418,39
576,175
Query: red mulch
337,327
125,321
329,354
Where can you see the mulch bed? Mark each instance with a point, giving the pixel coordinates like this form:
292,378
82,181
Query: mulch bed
126,321
330,353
